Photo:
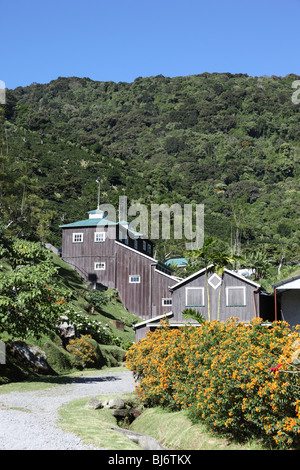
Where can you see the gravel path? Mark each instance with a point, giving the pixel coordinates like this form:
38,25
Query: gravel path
33,426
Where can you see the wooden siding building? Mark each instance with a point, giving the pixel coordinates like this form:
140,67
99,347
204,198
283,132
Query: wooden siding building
287,300
239,297
108,254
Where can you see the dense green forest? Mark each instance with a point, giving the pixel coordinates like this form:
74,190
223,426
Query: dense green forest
230,142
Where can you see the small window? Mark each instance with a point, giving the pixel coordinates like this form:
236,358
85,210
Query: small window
134,279
127,241
77,237
166,302
100,236
236,296
194,297
100,266
144,245
135,244
149,249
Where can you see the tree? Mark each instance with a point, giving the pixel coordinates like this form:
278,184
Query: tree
260,262
31,300
220,261
204,257
214,261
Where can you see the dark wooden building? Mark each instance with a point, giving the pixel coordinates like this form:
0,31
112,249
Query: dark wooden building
240,297
108,254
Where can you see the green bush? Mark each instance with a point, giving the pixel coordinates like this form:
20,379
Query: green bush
239,379
86,351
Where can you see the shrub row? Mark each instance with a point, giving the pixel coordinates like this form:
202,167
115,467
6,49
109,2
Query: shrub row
241,380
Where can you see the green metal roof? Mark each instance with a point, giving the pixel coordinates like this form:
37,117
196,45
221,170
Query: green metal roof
97,223
89,223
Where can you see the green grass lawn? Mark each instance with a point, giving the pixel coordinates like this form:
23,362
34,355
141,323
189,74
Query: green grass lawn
94,426
173,430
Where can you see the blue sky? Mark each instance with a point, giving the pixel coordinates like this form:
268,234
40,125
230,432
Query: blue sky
120,40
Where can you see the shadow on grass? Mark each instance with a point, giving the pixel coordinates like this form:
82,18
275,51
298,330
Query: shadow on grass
64,379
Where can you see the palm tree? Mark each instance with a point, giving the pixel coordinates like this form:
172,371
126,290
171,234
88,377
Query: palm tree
204,256
215,261
260,262
221,260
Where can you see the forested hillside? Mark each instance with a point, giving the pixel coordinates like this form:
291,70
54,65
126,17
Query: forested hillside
230,142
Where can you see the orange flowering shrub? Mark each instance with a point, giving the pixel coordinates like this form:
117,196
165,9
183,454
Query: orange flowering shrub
239,379
84,350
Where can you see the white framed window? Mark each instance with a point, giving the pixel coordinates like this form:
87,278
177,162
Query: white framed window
194,297
236,296
100,237
166,302
136,279
77,237
100,266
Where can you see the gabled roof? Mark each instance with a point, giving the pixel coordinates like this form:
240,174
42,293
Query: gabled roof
290,283
201,271
89,223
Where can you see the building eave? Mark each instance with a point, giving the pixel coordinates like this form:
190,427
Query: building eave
201,271
150,320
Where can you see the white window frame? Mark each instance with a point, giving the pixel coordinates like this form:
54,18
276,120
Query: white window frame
99,237
186,296
167,302
134,279
77,235
99,266
243,288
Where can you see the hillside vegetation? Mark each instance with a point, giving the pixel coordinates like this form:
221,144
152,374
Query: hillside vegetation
38,286
230,142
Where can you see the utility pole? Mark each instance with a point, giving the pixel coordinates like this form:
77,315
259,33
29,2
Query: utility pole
98,181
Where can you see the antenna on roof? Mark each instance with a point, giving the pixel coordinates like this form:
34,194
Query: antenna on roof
98,181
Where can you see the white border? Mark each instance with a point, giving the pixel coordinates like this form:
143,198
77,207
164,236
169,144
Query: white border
225,270
134,282
99,241
150,320
186,296
215,275
236,287
77,233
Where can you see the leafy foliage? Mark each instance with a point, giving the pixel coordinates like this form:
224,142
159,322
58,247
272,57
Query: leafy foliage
31,299
86,351
230,142
241,380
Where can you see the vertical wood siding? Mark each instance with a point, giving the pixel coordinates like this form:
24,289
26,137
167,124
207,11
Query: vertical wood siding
145,298
121,261
83,256
244,313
